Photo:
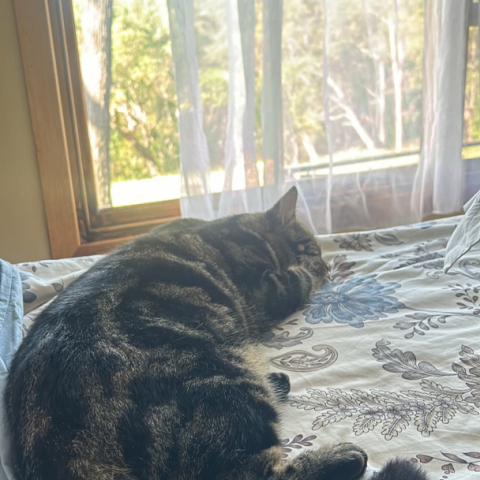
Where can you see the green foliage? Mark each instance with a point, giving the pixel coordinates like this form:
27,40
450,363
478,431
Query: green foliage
144,140
302,72
212,54
214,88
143,106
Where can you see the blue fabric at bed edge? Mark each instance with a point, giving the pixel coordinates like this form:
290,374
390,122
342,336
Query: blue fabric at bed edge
11,313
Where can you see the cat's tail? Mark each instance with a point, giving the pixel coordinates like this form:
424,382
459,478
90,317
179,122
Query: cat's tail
400,470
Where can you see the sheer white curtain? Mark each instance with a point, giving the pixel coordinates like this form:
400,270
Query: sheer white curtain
358,104
439,183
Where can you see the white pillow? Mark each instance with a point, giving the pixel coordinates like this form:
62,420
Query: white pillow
466,235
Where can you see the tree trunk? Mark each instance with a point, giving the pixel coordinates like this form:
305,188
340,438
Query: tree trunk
470,91
377,52
272,94
246,17
397,57
96,60
350,115
380,89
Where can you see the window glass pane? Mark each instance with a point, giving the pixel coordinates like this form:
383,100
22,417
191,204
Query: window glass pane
127,70
371,81
375,55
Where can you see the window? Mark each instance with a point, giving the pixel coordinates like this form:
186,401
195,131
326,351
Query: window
129,89
101,87
81,219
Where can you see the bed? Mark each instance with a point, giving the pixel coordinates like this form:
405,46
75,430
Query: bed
386,354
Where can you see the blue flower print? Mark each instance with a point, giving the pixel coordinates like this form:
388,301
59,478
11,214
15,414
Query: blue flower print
353,301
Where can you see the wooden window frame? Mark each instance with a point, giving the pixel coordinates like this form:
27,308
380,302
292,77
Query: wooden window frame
76,224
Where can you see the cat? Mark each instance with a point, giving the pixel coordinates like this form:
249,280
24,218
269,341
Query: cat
145,368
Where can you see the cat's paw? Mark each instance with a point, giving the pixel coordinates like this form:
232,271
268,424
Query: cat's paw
315,266
280,383
349,461
301,276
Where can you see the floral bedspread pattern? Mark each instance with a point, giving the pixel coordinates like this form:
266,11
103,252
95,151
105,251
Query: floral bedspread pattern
386,353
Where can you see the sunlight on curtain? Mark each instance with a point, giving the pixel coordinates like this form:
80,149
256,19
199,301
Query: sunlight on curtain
194,155
439,182
358,104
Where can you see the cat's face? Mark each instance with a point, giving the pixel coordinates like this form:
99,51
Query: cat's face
292,243
289,243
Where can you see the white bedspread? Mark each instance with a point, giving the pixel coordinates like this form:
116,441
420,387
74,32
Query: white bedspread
386,355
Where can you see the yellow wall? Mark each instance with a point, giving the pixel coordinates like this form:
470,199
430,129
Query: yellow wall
23,229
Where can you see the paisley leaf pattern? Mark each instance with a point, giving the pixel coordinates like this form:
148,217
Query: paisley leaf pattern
297,443
387,238
301,361
448,468
284,339
363,241
394,410
339,268
405,363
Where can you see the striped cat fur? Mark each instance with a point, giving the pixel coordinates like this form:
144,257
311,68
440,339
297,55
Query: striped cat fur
145,368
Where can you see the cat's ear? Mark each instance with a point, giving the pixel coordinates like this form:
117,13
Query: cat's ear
283,211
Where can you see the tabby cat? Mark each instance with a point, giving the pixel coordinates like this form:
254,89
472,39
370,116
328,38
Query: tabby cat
145,367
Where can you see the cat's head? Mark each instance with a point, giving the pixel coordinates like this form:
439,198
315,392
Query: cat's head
274,235
292,243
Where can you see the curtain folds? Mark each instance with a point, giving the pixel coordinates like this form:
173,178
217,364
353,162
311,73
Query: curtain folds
358,104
